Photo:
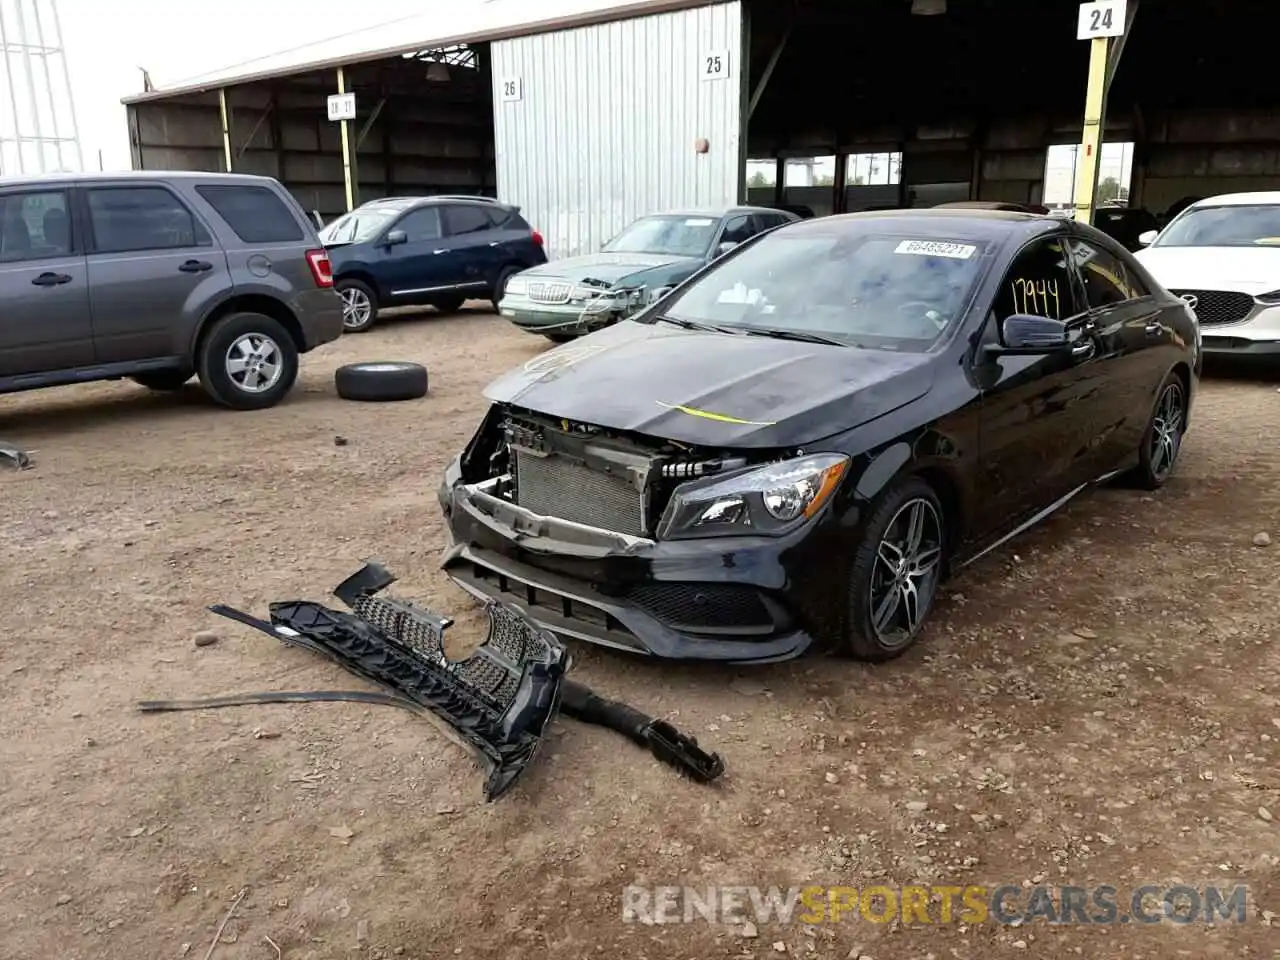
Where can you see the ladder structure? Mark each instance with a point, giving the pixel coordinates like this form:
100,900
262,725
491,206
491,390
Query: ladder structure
38,129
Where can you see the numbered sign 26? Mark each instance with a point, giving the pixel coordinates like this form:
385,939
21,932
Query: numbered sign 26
714,65
1102,18
510,89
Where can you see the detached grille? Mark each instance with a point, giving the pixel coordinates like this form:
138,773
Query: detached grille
1218,306
549,291
556,486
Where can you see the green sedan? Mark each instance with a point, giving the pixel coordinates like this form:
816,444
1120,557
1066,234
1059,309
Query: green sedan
566,298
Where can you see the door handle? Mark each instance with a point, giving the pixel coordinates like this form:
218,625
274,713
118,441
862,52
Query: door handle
1153,328
196,266
47,279
441,250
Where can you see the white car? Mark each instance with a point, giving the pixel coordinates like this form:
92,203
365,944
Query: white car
1222,255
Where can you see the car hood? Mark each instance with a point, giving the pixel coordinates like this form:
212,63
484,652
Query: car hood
1250,270
714,389
606,267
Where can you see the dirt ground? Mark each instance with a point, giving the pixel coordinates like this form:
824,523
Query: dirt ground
1097,703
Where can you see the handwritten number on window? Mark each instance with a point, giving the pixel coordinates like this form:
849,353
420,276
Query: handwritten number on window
1037,297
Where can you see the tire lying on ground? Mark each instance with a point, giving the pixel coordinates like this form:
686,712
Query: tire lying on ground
382,380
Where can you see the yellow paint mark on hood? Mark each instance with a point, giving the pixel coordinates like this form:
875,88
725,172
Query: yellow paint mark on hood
718,417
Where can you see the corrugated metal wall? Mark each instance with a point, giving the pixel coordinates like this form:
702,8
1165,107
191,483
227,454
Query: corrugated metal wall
608,116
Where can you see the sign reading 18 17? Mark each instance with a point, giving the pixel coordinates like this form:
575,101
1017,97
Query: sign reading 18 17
1102,18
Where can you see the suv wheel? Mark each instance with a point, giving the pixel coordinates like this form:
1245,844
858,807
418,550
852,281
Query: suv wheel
359,306
247,361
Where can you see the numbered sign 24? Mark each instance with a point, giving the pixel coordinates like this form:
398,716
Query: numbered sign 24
1102,18
714,65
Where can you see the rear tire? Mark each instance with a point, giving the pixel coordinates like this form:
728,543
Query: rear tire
359,305
166,380
896,572
247,361
1162,440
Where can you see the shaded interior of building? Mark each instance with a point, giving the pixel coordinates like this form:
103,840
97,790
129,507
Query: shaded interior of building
424,125
895,103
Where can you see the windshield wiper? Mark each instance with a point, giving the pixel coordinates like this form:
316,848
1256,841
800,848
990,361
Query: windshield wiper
689,324
801,335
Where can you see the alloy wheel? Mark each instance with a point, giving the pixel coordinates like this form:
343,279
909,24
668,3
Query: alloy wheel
906,574
1166,430
254,363
356,308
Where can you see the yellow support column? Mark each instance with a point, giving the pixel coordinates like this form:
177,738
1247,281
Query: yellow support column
1095,111
346,148
226,126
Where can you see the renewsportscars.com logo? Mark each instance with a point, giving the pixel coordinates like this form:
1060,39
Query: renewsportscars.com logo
936,904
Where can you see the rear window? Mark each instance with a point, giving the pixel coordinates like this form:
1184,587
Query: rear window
255,214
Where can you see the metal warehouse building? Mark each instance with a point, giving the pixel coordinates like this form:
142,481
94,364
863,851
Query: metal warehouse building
595,113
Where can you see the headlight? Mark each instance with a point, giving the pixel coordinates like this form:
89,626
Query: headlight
762,500
518,286
658,293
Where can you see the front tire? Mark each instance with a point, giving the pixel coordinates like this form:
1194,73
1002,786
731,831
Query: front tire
247,361
1162,440
359,306
897,570
561,337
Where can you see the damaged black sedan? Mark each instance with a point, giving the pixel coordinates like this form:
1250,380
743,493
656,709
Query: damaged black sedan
798,444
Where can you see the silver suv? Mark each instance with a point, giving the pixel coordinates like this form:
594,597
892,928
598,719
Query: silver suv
160,277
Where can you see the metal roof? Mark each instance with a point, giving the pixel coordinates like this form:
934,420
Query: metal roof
475,22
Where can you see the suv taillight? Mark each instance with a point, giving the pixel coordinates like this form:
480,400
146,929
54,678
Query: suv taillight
321,270
537,238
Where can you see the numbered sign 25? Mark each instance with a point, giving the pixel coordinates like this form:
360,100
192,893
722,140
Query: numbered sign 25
1102,18
714,65
510,89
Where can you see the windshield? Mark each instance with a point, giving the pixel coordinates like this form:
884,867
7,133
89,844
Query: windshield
681,236
359,225
1228,226
882,291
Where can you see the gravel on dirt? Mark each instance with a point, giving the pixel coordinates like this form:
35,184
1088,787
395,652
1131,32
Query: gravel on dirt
1095,704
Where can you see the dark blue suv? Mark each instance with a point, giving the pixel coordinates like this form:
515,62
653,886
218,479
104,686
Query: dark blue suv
426,251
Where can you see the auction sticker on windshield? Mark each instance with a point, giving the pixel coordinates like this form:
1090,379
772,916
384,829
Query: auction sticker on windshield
935,248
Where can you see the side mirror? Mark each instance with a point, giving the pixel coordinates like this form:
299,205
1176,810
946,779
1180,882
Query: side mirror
395,238
725,248
1147,237
1026,335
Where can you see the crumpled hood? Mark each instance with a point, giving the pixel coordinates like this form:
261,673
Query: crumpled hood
607,267
714,389
1250,270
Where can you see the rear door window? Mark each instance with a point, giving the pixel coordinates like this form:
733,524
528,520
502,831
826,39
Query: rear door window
461,220
255,214
34,226
1106,280
125,219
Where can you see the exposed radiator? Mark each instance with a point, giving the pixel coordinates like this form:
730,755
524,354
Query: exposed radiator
558,486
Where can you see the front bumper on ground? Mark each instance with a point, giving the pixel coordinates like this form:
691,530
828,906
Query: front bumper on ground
681,600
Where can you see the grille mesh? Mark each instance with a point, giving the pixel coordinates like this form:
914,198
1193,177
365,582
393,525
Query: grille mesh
693,605
556,486
1218,306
